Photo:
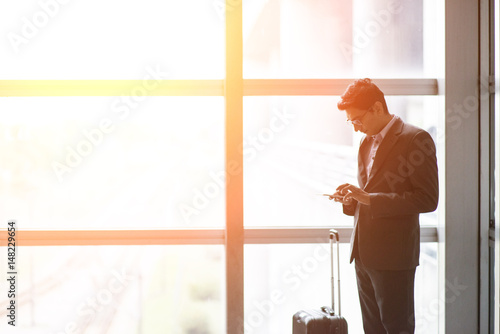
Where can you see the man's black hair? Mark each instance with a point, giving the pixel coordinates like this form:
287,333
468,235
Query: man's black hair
361,94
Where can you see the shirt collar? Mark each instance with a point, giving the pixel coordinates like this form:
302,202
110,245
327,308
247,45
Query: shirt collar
384,131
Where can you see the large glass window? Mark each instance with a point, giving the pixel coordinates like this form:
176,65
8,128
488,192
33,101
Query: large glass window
297,277
110,39
338,39
113,163
297,148
95,151
118,289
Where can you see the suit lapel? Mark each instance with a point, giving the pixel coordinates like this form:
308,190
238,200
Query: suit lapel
385,148
361,165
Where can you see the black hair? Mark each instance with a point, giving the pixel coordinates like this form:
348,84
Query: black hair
362,94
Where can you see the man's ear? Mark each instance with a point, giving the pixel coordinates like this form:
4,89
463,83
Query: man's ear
378,108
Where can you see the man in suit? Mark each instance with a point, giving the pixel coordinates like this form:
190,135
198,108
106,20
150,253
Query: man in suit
398,180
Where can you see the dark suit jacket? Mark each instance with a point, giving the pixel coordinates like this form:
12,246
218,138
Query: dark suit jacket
403,183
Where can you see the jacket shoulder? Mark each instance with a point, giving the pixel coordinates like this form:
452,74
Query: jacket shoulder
411,131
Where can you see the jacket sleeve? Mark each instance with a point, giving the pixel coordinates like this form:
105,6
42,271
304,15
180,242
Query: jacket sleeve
349,208
421,172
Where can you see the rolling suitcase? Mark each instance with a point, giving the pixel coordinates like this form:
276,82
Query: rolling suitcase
324,320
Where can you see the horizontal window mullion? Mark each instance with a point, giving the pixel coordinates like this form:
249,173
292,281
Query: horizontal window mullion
185,237
115,237
146,87
270,87
313,235
251,87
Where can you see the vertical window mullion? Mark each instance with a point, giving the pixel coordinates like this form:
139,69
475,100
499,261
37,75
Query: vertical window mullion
233,93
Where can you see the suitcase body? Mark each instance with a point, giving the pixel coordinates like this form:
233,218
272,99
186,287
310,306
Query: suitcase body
319,322
323,321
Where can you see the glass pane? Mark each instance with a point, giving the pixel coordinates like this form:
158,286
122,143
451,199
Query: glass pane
112,162
116,289
297,277
112,39
335,39
297,148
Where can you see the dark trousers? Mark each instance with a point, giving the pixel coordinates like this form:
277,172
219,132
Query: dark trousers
387,300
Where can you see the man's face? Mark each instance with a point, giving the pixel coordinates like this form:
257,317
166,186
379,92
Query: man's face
360,119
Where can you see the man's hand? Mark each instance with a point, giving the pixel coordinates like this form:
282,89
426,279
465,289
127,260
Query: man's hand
338,197
346,193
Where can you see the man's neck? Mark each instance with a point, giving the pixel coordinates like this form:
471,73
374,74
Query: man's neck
384,120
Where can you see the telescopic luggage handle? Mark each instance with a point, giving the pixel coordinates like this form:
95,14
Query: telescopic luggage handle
335,235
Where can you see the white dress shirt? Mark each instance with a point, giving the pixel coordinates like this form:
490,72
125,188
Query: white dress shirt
374,143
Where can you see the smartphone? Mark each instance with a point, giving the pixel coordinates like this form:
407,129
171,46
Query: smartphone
334,196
